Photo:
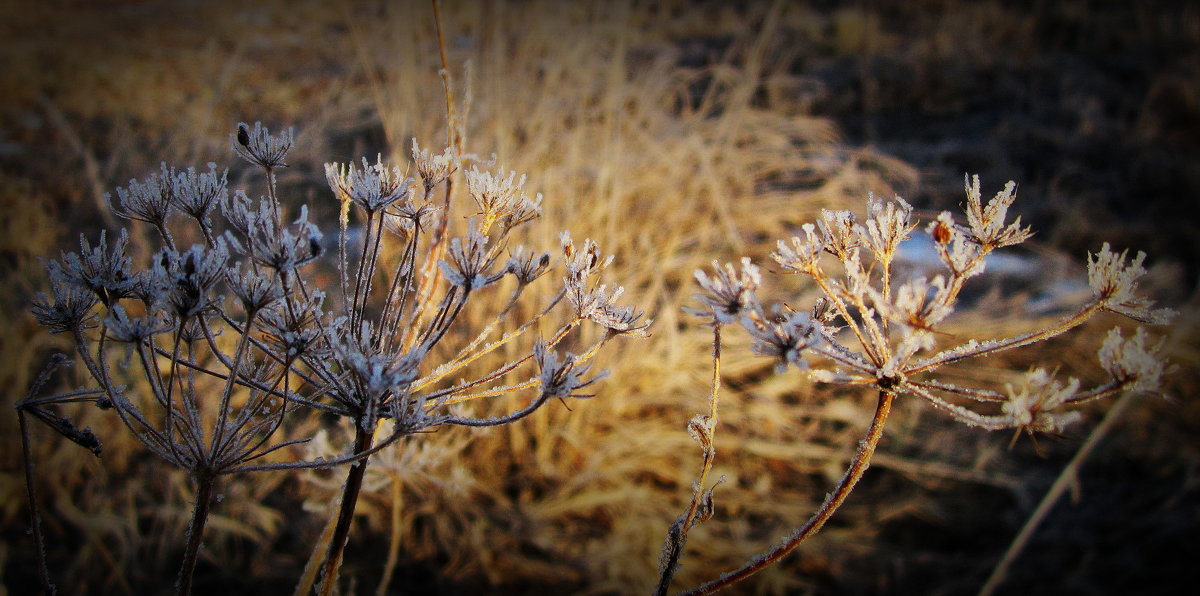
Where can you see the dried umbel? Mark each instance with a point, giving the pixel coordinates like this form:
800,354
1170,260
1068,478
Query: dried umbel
870,329
226,340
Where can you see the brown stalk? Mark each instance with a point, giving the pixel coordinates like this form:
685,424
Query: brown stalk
671,563
205,482
1065,478
341,532
854,473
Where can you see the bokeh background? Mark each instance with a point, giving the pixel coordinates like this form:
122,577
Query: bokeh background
674,133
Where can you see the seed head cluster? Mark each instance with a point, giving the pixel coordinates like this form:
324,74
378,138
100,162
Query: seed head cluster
885,332
232,329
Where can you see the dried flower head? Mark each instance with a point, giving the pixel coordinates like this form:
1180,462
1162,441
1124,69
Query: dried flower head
621,320
563,378
888,224
187,280
987,223
784,338
433,169
1132,364
124,328
375,374
496,197
254,290
71,308
1115,282
258,146
527,265
470,261
839,230
527,210
804,254
584,262
294,333
104,272
408,215
196,193
283,250
1033,404
728,294
917,303
957,248
372,187
147,200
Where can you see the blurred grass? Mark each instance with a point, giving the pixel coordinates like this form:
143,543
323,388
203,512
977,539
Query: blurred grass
673,134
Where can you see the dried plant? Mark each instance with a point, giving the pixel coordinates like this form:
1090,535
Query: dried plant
869,329
234,336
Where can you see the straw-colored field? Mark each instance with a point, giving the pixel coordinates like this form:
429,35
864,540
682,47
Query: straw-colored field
673,134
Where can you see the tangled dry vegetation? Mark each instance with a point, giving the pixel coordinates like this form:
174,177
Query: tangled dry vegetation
670,153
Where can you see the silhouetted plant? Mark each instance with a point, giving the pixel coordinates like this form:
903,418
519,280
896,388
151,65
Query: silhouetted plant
235,334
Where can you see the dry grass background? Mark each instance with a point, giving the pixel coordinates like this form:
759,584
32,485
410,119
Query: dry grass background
673,134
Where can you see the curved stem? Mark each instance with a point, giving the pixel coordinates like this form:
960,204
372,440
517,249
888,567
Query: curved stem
854,473
499,420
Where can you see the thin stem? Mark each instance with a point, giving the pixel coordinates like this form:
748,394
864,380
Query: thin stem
344,225
453,136
356,311
205,482
394,544
677,542
464,358
230,382
431,275
35,518
956,354
854,473
1065,478
393,307
270,172
168,409
98,368
819,277
499,420
966,415
372,263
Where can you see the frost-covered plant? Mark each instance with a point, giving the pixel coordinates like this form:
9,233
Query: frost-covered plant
869,329
230,338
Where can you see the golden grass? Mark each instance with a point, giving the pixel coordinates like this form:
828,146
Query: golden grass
667,166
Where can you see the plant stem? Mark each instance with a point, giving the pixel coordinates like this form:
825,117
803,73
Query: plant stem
35,518
205,482
394,545
1065,478
854,473
708,444
341,533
